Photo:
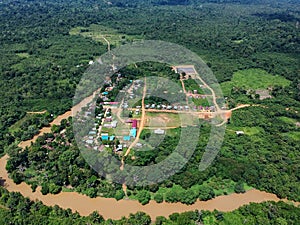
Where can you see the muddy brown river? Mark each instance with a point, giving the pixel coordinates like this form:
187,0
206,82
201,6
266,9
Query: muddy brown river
110,208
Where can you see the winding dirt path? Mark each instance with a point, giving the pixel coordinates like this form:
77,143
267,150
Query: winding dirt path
184,90
108,43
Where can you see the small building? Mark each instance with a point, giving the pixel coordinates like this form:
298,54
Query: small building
134,124
159,131
87,113
111,138
113,103
133,132
119,148
104,138
137,111
114,124
108,119
126,138
89,141
139,145
239,132
107,125
263,94
92,132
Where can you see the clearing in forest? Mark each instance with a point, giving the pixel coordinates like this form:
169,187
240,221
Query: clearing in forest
103,34
253,79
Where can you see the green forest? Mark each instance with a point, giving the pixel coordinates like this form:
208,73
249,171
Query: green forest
249,45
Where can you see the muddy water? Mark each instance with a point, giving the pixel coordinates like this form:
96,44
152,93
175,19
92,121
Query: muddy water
110,208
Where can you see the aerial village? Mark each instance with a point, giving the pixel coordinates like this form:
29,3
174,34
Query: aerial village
118,124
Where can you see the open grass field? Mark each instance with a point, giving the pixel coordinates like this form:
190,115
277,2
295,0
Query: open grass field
201,102
162,120
253,79
247,130
97,32
16,126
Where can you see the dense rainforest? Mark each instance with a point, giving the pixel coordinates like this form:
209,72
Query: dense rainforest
41,63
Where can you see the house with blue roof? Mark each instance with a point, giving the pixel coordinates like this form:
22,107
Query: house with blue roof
111,138
133,132
104,138
126,138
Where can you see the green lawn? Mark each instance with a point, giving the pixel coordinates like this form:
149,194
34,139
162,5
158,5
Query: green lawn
249,130
16,126
110,131
253,79
201,102
191,85
295,135
23,55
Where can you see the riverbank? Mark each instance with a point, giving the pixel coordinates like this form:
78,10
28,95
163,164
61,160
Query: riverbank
111,208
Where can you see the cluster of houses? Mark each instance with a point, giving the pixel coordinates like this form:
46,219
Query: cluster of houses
136,85
62,140
109,123
178,107
105,120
